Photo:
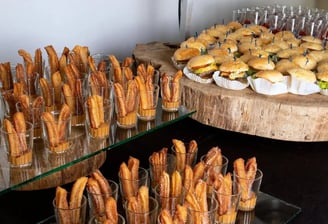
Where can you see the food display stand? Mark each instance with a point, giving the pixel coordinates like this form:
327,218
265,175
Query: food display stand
284,117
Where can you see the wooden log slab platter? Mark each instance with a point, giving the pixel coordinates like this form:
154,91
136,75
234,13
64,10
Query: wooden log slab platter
283,117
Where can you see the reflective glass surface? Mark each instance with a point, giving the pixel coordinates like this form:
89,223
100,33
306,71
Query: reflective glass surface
51,169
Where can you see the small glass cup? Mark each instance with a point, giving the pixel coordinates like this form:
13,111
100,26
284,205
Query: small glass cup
250,189
59,141
19,145
145,125
102,63
76,105
183,159
94,220
71,215
148,104
170,103
93,209
150,217
99,130
124,133
199,217
156,170
245,217
215,169
228,205
169,116
33,115
127,117
126,184
32,84
9,102
76,100
168,203
49,98
104,91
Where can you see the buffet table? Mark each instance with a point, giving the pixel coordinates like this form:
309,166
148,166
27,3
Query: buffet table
283,117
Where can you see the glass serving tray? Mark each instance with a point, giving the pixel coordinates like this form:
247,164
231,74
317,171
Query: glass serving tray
85,155
268,209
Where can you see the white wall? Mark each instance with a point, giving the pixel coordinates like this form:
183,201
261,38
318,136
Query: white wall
111,27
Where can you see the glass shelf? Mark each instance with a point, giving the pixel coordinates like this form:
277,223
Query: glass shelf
50,170
269,209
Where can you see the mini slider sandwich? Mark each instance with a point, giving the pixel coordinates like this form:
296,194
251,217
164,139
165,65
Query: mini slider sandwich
233,69
202,65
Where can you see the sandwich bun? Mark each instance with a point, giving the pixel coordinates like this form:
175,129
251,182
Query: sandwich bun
182,55
322,76
258,29
229,45
311,39
322,66
271,48
284,35
245,47
273,76
258,53
281,43
202,65
304,61
206,38
303,74
233,69
263,63
293,42
266,38
284,65
286,53
312,46
318,55
193,43
220,55
234,25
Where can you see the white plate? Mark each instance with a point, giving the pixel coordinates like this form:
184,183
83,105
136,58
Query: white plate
229,84
266,87
299,87
195,77
324,92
